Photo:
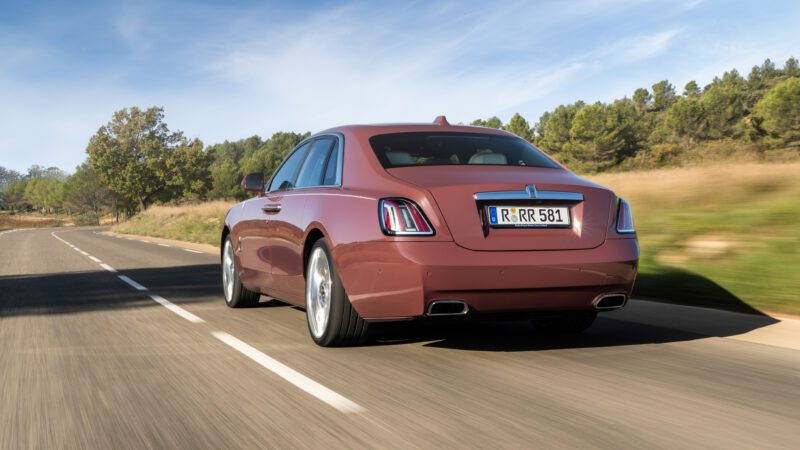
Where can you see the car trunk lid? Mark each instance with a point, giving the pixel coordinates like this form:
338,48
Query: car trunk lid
464,193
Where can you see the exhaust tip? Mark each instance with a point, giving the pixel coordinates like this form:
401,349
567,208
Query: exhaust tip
608,302
447,308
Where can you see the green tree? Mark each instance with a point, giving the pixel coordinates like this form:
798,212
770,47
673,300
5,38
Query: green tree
691,90
642,98
780,110
725,104
768,70
267,157
663,95
790,68
14,195
37,171
86,192
553,128
604,135
226,170
8,176
492,122
44,194
137,156
519,126
686,119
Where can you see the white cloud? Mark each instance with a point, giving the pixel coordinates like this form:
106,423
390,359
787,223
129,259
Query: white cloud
637,48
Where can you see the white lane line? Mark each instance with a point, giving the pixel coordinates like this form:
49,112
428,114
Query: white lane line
132,283
54,235
292,376
176,309
157,298
142,240
192,251
165,245
83,253
14,230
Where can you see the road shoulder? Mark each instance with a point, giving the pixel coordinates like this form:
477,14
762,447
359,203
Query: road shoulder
204,248
778,331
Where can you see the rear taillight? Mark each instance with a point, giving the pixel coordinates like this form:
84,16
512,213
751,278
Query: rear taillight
401,217
624,218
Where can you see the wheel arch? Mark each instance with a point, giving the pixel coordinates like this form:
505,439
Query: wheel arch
225,232
313,234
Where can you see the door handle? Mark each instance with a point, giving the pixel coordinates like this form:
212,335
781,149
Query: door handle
271,208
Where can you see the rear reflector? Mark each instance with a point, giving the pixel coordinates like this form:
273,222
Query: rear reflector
401,217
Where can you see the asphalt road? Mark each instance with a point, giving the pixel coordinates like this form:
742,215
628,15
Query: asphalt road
90,361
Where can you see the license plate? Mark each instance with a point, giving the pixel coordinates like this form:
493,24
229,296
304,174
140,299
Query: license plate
529,216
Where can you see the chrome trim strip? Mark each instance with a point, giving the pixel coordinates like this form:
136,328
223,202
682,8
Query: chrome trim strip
438,302
271,208
530,193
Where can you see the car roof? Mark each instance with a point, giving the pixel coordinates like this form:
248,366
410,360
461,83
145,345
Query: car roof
440,124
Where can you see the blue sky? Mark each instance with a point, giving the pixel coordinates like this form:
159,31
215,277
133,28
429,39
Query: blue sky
231,69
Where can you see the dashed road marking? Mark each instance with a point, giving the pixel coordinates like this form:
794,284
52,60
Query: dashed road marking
145,241
132,283
176,309
157,298
294,377
308,385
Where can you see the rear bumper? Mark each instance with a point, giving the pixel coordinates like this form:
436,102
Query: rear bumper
398,280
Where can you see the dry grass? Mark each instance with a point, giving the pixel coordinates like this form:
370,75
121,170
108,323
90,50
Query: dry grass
10,221
194,223
717,185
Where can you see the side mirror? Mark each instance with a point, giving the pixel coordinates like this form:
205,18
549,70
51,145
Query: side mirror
253,182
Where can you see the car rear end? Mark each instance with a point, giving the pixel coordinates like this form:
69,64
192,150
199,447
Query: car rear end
504,230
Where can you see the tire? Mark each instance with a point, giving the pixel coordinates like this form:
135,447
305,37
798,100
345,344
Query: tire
332,321
236,295
566,322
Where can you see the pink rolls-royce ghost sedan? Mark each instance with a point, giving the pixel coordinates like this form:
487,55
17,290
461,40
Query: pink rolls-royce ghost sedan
372,223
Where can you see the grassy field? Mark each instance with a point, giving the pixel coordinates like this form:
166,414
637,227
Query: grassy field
722,236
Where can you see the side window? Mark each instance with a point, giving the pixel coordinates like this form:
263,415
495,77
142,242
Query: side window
330,171
314,165
287,174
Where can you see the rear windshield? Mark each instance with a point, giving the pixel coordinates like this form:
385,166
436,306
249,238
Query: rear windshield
453,149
